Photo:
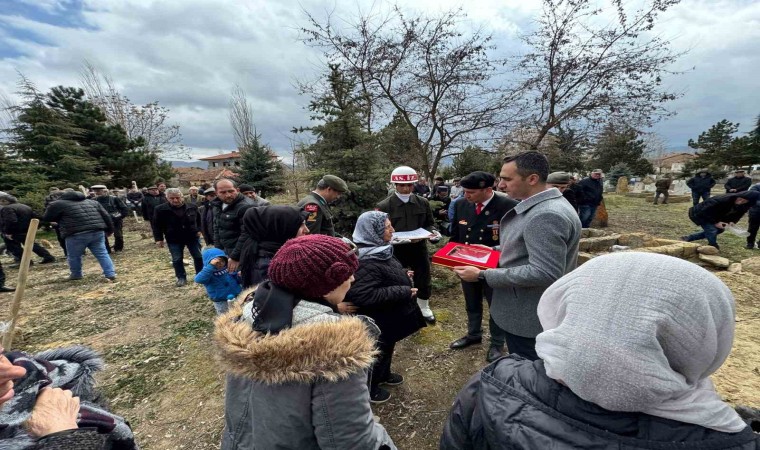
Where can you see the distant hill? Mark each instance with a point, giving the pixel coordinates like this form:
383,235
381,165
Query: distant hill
199,164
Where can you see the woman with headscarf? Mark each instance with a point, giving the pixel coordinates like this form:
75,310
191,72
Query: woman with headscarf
629,343
298,371
383,291
268,228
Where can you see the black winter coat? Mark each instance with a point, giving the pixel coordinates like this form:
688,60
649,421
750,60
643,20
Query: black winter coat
382,291
720,208
741,184
149,204
512,404
571,198
15,218
207,221
74,214
113,205
228,225
701,184
176,229
591,192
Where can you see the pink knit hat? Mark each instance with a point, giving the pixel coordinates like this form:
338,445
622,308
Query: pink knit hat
313,265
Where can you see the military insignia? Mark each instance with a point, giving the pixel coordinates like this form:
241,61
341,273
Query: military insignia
488,212
495,230
311,207
462,222
312,217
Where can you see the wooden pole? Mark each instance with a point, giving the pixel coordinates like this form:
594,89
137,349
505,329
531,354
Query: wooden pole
23,271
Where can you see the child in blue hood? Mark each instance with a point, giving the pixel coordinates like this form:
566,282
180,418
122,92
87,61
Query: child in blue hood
220,283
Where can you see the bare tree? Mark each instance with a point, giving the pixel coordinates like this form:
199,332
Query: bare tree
241,119
585,70
439,80
149,121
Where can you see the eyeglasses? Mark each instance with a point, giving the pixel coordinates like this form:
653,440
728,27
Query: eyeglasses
352,247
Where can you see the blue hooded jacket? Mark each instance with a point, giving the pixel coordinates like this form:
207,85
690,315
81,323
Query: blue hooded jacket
220,284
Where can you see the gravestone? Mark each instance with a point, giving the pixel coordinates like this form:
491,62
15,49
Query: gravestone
622,185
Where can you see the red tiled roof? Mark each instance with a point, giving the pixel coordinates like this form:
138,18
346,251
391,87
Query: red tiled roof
676,158
200,175
231,155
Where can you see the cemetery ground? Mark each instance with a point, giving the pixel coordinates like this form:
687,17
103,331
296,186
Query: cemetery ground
161,373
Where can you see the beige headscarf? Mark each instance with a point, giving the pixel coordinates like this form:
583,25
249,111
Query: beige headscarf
641,332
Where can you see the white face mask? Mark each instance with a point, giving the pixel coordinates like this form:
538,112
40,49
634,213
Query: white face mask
404,197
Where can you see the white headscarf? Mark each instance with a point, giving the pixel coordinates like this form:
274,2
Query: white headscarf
641,332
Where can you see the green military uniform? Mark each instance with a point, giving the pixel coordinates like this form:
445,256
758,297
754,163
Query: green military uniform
320,220
416,213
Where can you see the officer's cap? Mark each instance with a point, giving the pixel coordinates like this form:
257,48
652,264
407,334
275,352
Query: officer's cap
560,178
336,183
98,186
478,180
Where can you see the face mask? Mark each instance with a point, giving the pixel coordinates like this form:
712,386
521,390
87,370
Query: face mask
404,197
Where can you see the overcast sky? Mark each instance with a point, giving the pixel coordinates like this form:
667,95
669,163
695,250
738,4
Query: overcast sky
188,54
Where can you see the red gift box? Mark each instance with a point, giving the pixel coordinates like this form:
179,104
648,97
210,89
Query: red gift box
455,254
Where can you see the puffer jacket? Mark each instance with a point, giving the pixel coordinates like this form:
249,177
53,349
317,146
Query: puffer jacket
513,404
304,388
228,224
382,291
74,214
15,217
699,183
722,208
219,283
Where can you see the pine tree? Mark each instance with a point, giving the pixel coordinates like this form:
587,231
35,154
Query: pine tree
260,167
621,144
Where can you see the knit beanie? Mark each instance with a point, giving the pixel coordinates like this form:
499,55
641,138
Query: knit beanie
312,266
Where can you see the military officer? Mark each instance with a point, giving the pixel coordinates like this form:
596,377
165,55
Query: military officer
476,221
409,212
317,204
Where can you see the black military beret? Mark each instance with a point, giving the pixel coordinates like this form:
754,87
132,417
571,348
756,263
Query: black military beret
478,180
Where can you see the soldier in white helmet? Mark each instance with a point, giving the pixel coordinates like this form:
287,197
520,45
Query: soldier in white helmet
409,212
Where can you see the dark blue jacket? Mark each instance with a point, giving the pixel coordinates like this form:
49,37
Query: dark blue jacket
701,184
220,284
592,192
512,404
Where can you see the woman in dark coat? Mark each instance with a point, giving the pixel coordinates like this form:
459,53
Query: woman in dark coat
269,228
383,291
629,343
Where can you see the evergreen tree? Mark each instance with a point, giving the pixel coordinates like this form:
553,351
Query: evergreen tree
569,153
346,149
617,171
719,147
260,167
471,159
621,144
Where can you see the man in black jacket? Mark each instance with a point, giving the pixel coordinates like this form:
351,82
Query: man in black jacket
716,213
180,225
738,183
229,207
206,211
561,181
82,223
150,201
118,211
700,185
15,221
592,191
754,220
476,221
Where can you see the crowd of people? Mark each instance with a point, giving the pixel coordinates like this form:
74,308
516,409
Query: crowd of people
600,356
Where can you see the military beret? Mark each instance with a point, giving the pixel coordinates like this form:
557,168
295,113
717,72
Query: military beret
558,178
246,188
98,186
336,183
478,180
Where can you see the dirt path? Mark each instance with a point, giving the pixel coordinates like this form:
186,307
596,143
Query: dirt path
161,374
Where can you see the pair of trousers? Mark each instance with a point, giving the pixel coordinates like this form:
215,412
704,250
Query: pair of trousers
709,232
381,369
587,213
415,257
2,276
695,196
118,235
473,300
61,240
657,197
177,251
15,245
523,346
754,225
96,242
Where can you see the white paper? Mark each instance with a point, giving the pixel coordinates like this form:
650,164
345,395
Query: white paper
419,233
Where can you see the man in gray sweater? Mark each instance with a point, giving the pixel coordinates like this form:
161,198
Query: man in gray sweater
539,244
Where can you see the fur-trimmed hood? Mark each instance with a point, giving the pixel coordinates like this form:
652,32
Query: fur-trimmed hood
322,346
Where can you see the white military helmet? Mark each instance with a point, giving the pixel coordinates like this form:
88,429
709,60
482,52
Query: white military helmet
403,175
